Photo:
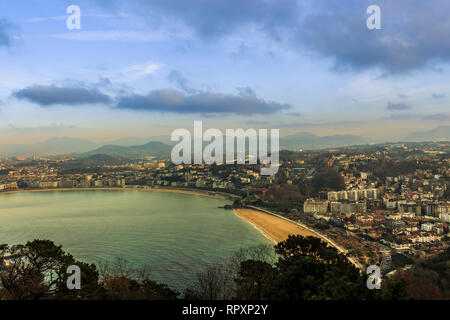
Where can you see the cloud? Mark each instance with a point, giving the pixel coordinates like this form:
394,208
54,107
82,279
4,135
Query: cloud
212,20
128,73
406,42
138,71
334,30
174,101
54,95
294,114
437,117
176,77
403,116
50,128
7,33
398,106
93,15
438,96
288,125
38,19
120,35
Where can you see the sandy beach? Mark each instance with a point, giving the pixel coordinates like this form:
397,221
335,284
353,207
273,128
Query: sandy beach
274,228
278,229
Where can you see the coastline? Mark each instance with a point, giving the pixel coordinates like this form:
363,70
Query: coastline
213,194
277,228
272,226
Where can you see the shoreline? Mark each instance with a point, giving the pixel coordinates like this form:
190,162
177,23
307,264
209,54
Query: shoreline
206,193
272,226
277,228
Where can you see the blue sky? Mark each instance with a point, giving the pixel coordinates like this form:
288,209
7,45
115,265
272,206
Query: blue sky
142,68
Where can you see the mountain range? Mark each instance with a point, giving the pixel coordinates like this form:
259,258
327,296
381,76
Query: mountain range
53,146
160,146
441,133
151,149
309,141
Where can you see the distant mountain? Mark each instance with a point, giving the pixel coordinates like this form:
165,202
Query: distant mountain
151,149
135,141
54,146
310,141
300,140
101,157
441,133
128,141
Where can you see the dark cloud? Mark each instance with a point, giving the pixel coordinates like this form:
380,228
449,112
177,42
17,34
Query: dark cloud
54,95
398,106
413,35
7,31
169,100
408,40
177,78
212,20
438,96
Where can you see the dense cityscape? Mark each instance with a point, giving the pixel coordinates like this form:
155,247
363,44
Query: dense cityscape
379,202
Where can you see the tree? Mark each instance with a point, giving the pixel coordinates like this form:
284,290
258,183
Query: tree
121,281
296,246
254,280
219,281
310,269
38,270
327,179
214,283
394,290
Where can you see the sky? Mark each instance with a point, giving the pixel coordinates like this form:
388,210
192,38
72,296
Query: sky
142,68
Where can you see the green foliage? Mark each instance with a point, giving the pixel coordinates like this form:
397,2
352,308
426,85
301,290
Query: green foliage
299,268
395,290
327,179
38,270
297,246
310,269
427,279
391,168
283,197
255,279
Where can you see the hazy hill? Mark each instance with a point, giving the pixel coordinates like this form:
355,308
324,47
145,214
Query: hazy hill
310,141
160,146
154,149
135,141
54,146
441,133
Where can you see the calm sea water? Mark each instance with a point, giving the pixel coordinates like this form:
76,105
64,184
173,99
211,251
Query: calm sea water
177,235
